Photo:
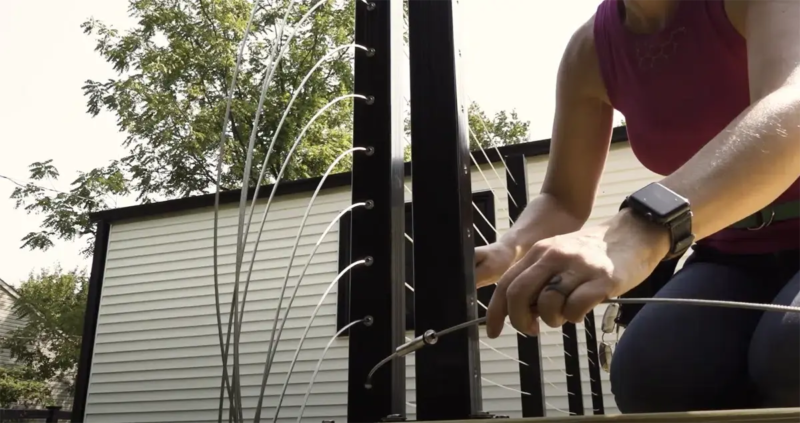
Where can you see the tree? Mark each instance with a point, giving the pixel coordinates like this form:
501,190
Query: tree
169,96
505,128
18,387
51,305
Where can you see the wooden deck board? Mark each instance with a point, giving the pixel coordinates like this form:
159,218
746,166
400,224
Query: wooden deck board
776,415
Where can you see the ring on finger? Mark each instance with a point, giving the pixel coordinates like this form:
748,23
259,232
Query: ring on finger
555,285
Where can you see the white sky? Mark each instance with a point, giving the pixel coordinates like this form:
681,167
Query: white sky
511,50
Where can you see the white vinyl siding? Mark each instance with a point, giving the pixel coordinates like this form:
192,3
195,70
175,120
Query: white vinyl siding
8,322
157,356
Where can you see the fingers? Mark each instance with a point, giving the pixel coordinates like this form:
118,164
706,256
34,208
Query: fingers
497,311
585,298
498,306
521,298
483,272
554,295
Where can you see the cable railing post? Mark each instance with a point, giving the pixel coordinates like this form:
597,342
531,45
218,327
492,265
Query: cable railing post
528,348
448,376
595,382
378,289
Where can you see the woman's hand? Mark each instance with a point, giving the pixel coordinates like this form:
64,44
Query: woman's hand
563,278
491,262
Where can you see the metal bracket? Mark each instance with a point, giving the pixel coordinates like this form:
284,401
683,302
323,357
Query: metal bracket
482,415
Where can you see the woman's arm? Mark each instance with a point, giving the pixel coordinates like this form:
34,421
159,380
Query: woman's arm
757,157
581,138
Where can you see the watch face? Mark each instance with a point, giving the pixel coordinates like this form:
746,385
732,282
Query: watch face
660,201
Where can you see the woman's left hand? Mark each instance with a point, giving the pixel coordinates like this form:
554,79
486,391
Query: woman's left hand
561,279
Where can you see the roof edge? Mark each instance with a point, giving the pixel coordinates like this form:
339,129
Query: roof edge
9,289
530,149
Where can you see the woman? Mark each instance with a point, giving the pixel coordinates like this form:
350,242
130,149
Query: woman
711,94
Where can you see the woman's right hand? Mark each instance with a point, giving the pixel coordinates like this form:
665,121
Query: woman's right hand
491,262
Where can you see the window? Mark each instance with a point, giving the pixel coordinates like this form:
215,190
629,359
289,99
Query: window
484,201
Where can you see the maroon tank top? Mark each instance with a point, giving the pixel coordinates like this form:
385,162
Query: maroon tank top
678,89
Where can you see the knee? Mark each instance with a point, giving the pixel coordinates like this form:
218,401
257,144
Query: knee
654,372
774,362
638,380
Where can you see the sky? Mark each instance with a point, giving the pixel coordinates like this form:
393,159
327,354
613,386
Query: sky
510,50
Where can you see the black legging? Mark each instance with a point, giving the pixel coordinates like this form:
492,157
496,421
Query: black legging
687,358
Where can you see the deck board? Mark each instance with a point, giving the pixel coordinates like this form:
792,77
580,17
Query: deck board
774,415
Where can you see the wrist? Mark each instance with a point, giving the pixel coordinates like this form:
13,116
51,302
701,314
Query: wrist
514,243
654,239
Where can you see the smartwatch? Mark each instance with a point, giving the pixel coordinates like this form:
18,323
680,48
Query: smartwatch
662,206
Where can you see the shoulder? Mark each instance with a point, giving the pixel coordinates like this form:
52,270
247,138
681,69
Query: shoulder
736,11
580,66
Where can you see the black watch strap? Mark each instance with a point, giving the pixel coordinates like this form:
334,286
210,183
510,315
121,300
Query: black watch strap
680,235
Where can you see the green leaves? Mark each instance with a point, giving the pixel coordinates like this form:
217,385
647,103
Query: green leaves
173,70
17,387
51,305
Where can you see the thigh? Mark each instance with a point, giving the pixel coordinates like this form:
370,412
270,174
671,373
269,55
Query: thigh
775,352
682,358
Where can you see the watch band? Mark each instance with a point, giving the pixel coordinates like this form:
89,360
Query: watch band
680,227
680,235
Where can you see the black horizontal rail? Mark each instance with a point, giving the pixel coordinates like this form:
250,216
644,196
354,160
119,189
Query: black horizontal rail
49,415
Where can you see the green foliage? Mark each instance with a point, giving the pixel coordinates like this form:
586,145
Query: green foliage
504,129
51,305
173,70
18,387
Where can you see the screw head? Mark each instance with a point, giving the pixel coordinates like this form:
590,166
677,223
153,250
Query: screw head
371,6
370,100
369,151
369,204
370,52
368,321
368,260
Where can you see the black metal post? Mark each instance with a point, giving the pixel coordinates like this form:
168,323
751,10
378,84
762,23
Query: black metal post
572,360
90,321
52,414
528,348
448,374
378,290
594,365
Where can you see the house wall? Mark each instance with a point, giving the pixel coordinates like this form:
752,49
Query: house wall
8,322
157,354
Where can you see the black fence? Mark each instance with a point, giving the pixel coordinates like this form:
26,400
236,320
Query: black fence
448,376
48,415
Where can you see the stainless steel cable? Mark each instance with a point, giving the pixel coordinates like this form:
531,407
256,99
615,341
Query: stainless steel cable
707,303
241,232
366,262
273,341
221,153
500,385
367,322
494,145
431,337
265,86
242,237
297,92
285,164
491,165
